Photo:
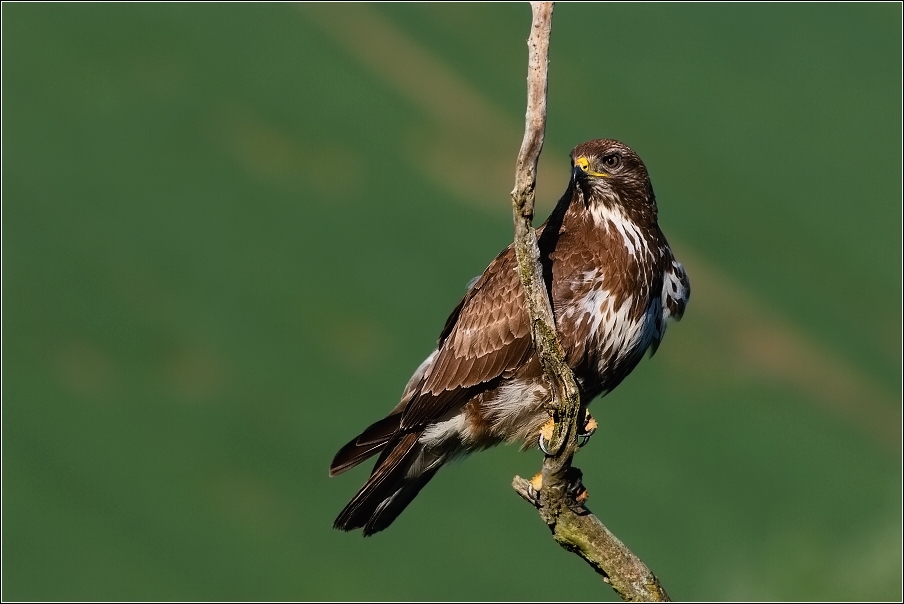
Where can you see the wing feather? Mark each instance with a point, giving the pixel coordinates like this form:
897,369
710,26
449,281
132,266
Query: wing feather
676,291
486,335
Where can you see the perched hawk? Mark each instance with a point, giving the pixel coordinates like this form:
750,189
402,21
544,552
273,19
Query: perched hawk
613,284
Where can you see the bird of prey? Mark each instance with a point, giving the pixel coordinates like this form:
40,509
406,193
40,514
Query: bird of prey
613,283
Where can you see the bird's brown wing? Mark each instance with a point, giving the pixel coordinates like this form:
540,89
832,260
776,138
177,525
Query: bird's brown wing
485,336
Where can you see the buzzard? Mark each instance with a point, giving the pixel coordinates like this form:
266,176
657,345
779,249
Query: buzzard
613,283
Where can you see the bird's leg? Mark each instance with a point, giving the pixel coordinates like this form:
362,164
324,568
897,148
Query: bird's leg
588,427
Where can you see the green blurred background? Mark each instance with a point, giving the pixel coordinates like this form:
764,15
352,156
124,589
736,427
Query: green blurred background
231,232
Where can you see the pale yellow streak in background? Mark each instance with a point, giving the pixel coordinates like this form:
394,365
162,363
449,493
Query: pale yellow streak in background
472,148
272,155
473,156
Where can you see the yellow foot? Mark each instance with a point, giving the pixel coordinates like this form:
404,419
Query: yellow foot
537,481
587,431
546,435
533,488
584,434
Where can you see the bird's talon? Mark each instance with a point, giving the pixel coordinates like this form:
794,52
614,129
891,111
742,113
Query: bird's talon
575,489
590,426
533,488
542,445
546,435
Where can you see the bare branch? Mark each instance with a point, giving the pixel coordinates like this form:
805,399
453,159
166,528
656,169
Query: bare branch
542,322
572,525
582,533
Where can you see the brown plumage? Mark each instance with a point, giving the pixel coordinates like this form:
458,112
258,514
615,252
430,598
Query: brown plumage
613,283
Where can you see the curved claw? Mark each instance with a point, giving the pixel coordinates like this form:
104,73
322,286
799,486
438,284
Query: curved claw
542,445
584,438
533,488
546,432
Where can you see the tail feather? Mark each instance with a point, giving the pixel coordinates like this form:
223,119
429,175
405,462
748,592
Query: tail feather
390,488
366,444
389,509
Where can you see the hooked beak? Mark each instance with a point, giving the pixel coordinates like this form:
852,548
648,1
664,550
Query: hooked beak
582,168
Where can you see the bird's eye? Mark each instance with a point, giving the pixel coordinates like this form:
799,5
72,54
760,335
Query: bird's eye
612,161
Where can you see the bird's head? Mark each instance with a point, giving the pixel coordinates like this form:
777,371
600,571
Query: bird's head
608,174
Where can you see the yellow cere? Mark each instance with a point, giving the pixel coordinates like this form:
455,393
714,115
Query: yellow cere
584,164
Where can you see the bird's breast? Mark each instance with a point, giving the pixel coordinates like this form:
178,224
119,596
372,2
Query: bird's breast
607,308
